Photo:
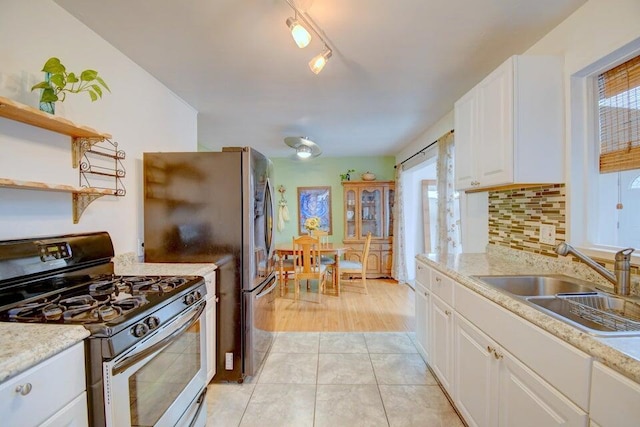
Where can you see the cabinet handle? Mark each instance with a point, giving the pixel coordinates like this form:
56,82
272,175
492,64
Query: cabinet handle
497,355
426,294
24,389
447,312
490,349
438,279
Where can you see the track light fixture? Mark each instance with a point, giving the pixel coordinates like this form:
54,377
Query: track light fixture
318,62
302,37
299,33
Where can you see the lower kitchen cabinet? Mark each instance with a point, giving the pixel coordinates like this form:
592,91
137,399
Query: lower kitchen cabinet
210,324
476,375
493,388
52,393
615,399
423,319
441,351
499,369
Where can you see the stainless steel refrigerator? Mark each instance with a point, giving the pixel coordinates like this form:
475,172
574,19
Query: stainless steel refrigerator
218,207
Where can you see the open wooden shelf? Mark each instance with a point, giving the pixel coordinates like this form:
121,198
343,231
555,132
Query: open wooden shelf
83,138
61,188
23,113
81,196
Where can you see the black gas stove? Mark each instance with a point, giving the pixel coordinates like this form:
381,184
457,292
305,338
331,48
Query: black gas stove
70,280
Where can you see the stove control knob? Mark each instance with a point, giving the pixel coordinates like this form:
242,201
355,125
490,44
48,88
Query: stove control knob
198,295
189,299
140,330
152,322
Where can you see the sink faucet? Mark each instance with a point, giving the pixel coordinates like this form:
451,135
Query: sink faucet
621,278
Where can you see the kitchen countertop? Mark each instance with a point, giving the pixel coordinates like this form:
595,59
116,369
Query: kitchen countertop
127,264
619,353
23,345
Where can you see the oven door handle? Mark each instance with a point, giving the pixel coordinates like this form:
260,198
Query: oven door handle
131,360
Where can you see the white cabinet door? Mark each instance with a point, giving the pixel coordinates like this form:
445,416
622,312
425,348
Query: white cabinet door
423,312
73,415
615,399
466,127
37,394
476,375
495,126
528,401
210,325
509,128
441,349
210,320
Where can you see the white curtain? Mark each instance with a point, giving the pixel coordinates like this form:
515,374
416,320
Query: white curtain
399,262
448,224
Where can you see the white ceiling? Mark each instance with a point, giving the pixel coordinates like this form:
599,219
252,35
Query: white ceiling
397,67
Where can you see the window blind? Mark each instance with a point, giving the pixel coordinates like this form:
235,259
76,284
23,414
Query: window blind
619,113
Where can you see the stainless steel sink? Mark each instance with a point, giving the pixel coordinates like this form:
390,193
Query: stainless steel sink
596,313
537,285
573,301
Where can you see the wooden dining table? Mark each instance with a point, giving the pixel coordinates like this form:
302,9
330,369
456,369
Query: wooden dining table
337,249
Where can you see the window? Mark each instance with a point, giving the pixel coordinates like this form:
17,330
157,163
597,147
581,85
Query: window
618,218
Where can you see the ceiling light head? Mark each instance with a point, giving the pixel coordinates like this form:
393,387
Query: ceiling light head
299,33
319,61
305,148
303,152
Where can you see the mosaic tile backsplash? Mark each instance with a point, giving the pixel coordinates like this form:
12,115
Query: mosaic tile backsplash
515,216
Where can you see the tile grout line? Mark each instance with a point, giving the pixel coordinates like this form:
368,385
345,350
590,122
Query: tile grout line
384,407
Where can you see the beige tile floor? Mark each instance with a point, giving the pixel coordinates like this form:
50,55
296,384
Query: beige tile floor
335,379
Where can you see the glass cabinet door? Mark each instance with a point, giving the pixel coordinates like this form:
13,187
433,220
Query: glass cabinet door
371,214
390,199
350,219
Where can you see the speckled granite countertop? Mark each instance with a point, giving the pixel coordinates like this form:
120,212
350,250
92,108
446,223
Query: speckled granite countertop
23,345
619,353
127,264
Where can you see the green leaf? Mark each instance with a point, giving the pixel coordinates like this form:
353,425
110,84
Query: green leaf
53,65
57,80
71,78
93,95
48,95
41,85
97,89
102,82
88,75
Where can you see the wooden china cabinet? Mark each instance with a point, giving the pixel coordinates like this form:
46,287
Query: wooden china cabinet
368,207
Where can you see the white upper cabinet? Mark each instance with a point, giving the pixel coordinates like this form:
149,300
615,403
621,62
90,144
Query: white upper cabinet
509,128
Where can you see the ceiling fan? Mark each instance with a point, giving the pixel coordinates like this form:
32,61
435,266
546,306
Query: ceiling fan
305,148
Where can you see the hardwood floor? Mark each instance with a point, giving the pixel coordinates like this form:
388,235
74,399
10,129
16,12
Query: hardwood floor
388,307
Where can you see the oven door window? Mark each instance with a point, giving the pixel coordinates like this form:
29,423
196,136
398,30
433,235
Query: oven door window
159,388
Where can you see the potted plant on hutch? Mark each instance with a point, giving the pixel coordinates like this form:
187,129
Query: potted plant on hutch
58,82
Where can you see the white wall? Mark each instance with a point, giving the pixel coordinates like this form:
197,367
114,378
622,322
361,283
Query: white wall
431,134
140,113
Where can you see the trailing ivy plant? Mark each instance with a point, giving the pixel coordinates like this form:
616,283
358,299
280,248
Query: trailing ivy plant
60,82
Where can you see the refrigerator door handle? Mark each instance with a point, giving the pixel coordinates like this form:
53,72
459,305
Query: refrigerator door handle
269,219
268,290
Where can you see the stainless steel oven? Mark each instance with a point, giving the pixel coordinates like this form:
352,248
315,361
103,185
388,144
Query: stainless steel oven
155,381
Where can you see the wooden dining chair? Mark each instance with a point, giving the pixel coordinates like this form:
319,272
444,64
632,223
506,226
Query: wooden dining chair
328,261
307,263
286,267
349,267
